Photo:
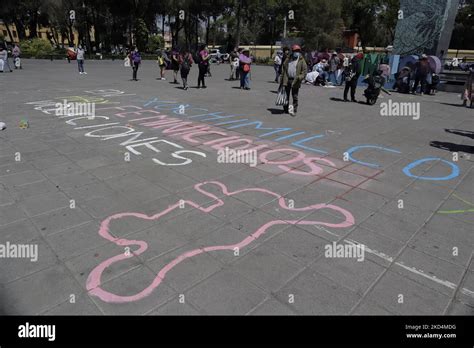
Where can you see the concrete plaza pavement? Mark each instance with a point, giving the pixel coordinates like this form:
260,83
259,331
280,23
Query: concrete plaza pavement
130,230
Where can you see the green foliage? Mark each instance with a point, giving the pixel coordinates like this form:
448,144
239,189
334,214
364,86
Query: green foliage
36,48
141,34
155,42
463,37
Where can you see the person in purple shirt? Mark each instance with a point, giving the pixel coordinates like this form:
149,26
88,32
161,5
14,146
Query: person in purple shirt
203,61
245,62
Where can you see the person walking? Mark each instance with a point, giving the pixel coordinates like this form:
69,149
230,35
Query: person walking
352,75
175,64
162,64
203,62
245,62
4,59
422,70
185,60
277,62
16,57
80,59
293,73
135,61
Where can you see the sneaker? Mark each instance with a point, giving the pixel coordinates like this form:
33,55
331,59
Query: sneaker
80,72
421,93
163,79
84,73
204,86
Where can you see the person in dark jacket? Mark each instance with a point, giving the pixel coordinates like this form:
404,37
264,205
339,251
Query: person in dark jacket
422,70
293,73
352,76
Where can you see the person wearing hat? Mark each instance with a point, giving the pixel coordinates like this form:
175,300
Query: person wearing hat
422,69
352,76
293,73
245,61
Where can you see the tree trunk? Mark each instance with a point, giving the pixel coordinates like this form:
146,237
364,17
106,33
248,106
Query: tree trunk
8,30
33,25
186,31
208,26
163,25
237,35
197,33
20,29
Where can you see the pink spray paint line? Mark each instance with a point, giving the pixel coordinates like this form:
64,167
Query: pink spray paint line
93,284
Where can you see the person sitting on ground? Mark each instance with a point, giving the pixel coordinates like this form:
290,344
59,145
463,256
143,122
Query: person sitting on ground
322,68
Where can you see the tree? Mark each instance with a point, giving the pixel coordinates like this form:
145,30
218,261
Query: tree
463,33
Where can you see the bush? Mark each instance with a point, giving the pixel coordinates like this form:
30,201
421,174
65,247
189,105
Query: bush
265,60
36,48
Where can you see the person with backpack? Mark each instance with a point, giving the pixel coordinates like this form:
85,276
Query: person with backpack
185,60
135,60
352,75
293,73
162,64
245,62
202,59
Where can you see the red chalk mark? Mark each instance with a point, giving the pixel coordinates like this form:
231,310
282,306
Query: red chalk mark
93,284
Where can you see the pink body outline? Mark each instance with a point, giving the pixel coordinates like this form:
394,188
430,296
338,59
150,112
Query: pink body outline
93,283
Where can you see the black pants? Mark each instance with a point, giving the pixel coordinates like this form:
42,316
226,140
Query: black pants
352,84
135,69
184,77
202,73
420,78
294,94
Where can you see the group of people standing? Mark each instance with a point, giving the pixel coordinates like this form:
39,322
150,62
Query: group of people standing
180,62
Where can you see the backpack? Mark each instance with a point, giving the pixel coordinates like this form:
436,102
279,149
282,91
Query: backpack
136,58
186,65
197,58
161,60
246,68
